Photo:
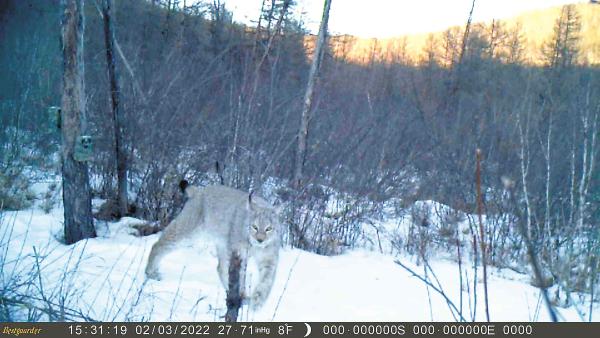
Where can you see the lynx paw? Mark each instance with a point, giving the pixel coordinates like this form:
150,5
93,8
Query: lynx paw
153,274
257,301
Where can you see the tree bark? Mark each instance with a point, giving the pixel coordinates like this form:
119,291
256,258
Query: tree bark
234,296
76,190
308,96
115,116
524,161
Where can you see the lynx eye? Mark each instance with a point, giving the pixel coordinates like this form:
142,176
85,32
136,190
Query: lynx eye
269,229
254,227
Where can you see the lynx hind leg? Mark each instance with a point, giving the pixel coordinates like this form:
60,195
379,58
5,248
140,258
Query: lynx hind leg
267,268
178,230
165,244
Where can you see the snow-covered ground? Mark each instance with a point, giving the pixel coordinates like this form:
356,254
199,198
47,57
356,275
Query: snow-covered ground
103,278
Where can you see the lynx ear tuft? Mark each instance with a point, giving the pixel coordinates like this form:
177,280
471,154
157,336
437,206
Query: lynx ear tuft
249,204
183,184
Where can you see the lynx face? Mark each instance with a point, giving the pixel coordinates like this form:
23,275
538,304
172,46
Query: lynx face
263,224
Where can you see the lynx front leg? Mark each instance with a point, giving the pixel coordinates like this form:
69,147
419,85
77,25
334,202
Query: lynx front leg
223,266
267,268
159,250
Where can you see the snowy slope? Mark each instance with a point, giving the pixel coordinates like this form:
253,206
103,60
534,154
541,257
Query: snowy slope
103,278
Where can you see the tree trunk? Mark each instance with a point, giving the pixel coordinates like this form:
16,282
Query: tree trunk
114,100
234,297
524,161
76,190
548,157
308,96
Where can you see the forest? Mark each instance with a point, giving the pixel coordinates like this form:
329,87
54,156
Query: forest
484,143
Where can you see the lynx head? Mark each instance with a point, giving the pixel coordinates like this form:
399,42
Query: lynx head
263,223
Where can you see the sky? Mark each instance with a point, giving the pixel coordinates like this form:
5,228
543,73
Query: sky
386,18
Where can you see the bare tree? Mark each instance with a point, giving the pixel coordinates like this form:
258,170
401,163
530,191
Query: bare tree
308,96
114,106
76,190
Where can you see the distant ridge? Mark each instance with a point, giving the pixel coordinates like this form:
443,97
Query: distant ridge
536,28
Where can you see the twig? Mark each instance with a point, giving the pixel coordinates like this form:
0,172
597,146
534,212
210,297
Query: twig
428,293
482,233
132,283
437,281
460,275
74,314
177,295
537,271
125,62
39,276
592,291
285,286
475,264
453,307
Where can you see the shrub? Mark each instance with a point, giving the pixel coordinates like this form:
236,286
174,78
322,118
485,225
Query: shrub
14,190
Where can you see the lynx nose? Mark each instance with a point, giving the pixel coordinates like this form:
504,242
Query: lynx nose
260,239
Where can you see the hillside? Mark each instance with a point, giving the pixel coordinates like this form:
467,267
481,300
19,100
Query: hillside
102,279
536,28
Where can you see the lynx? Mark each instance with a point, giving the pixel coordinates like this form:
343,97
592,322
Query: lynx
237,222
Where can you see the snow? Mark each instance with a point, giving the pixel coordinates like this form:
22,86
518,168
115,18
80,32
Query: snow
104,279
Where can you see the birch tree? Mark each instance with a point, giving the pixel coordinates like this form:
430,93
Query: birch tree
308,96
